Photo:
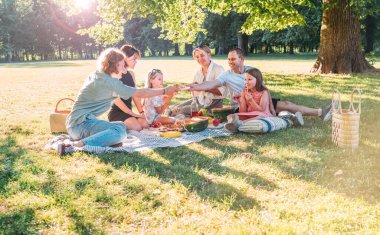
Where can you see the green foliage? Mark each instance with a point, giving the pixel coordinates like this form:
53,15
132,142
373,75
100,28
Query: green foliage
222,37
142,34
181,20
104,33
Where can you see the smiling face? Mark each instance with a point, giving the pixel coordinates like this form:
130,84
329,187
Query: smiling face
132,60
157,81
250,81
202,57
235,61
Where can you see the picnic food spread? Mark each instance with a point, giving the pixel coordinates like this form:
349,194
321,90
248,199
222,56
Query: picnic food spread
171,127
170,134
196,124
221,113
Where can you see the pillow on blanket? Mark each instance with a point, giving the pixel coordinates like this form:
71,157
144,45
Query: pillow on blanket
264,125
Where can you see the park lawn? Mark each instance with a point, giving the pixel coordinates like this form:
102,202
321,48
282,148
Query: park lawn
290,181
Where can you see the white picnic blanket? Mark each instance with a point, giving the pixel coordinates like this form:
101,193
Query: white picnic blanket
144,140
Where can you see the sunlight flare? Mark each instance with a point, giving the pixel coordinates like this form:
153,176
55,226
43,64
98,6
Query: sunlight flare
83,4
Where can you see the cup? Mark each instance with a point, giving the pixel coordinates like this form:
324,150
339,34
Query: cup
195,108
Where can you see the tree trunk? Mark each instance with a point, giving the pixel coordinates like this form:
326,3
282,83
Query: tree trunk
291,48
189,49
220,51
370,27
340,50
243,42
176,49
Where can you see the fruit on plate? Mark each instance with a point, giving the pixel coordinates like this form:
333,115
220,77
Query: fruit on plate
216,121
196,114
203,112
221,113
170,134
208,118
196,124
156,125
171,127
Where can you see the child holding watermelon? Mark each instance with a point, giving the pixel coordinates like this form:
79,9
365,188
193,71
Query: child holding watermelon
254,102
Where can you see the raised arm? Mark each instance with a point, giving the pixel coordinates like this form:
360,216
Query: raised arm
150,92
208,85
263,101
215,91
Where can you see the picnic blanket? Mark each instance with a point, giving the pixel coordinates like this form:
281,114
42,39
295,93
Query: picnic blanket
144,140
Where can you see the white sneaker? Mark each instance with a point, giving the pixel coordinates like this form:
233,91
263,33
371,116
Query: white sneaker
285,115
297,119
326,113
230,127
234,119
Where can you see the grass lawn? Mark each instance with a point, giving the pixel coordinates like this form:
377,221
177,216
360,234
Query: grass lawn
293,181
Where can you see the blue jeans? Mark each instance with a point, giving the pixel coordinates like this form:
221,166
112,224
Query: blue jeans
96,132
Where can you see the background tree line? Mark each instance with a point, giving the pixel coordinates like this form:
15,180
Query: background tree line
41,30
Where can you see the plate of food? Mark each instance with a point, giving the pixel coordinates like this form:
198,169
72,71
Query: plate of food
171,127
216,123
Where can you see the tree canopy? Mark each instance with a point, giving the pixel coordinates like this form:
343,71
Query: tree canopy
182,20
48,29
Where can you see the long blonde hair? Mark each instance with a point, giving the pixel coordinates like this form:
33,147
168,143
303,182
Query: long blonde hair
152,75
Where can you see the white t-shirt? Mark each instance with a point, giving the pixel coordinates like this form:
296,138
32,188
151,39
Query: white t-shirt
206,98
233,82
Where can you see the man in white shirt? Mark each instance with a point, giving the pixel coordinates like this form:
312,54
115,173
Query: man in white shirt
233,80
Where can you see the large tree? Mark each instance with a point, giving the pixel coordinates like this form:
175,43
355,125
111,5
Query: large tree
340,49
181,20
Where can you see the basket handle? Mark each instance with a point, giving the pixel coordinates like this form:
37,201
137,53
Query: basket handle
62,111
338,109
358,108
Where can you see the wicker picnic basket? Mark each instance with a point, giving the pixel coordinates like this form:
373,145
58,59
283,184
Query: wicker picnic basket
58,118
345,122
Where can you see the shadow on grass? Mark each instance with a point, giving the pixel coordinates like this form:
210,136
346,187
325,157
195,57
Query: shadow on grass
359,175
15,222
360,171
23,221
11,153
184,162
18,222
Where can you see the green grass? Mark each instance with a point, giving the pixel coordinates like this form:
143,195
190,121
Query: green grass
293,181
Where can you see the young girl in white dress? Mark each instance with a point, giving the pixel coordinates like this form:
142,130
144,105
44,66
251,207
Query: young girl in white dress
154,107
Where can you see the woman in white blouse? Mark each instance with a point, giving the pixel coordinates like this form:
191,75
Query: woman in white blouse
209,71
